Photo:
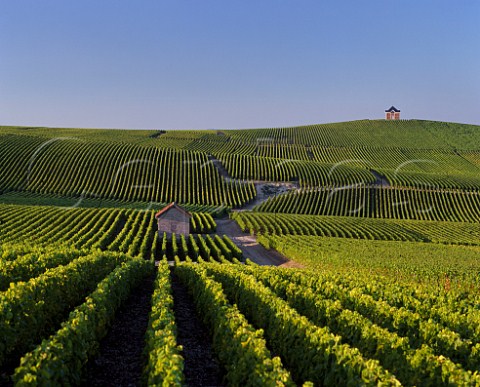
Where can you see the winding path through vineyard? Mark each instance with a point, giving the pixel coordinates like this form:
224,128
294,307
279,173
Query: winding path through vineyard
264,189
380,179
250,246
267,190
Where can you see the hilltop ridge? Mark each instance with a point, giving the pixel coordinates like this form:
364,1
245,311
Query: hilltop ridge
402,133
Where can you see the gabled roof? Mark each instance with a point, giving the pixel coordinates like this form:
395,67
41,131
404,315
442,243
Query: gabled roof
169,207
392,108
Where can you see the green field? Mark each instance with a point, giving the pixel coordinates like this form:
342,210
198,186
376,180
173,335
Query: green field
383,216
413,263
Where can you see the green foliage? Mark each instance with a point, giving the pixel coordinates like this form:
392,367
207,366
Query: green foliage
32,309
164,361
437,324
307,173
375,202
359,228
59,360
202,223
407,261
412,364
311,353
240,348
235,250
198,246
120,171
33,264
383,306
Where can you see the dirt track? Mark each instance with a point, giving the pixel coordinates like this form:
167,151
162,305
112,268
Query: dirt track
250,247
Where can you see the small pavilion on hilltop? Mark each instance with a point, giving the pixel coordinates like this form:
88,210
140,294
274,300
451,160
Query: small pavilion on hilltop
173,219
392,114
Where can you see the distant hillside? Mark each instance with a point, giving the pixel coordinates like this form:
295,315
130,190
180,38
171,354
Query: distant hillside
416,134
219,167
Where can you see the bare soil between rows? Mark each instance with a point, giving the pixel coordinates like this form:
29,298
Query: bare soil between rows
120,360
201,367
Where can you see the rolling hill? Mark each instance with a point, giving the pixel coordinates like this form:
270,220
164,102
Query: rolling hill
376,224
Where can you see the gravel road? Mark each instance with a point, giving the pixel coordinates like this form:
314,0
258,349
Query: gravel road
250,247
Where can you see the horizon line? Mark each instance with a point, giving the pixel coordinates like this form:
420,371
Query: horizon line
230,128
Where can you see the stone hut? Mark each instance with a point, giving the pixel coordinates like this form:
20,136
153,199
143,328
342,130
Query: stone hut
173,219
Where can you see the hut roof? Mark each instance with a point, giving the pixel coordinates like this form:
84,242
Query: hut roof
169,207
392,108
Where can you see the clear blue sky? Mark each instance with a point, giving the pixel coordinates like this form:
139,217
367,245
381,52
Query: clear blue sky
236,64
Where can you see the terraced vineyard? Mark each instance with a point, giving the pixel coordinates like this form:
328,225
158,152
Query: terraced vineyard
384,218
